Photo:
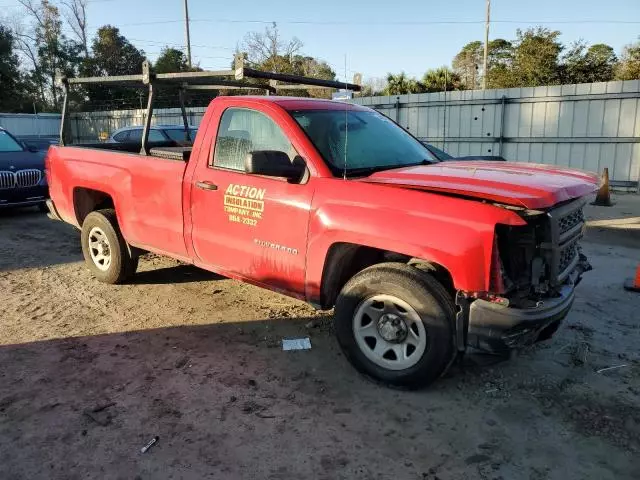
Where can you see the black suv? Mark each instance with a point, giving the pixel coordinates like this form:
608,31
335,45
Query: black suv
22,179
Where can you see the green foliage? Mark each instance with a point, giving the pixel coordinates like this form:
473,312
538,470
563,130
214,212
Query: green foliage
435,80
441,79
401,84
112,55
171,60
629,66
585,65
467,64
13,95
536,58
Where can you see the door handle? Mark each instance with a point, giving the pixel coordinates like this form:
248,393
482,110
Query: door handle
206,186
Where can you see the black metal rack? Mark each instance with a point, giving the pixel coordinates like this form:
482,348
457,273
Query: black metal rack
206,80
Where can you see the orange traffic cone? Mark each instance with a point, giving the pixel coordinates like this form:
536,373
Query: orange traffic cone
603,198
633,284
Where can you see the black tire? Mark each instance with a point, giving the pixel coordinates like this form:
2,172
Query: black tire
122,265
426,296
43,207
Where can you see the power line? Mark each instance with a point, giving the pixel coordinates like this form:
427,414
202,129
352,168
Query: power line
385,22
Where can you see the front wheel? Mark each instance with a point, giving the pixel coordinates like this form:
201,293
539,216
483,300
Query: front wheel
395,323
105,250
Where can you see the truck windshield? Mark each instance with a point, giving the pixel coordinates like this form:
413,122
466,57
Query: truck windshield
360,142
8,144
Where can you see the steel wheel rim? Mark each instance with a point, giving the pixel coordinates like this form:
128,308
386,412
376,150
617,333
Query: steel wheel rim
377,334
99,249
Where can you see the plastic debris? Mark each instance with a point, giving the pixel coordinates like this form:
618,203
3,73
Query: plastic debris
610,368
151,443
296,344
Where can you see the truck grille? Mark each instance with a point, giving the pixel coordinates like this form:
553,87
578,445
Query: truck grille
567,224
20,179
28,178
571,220
7,180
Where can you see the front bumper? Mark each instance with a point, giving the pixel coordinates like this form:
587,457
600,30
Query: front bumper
23,197
497,329
53,211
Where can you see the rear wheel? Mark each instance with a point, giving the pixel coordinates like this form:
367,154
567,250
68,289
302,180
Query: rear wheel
395,323
105,251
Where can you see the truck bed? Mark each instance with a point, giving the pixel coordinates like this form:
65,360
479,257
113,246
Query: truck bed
165,150
146,190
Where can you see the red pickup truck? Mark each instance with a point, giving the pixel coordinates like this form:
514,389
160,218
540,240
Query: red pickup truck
336,205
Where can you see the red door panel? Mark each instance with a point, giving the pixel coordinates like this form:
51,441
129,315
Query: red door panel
251,226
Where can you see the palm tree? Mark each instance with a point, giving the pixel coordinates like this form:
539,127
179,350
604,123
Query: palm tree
401,84
440,79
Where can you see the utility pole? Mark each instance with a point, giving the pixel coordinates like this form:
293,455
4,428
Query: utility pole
486,46
186,26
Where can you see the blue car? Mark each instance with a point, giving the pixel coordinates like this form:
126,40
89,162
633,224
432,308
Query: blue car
22,178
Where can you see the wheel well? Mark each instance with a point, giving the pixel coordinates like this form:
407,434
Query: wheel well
87,200
344,260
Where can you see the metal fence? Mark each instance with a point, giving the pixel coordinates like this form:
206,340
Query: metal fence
31,125
95,126
585,126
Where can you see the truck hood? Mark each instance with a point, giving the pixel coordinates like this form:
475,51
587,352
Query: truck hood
526,185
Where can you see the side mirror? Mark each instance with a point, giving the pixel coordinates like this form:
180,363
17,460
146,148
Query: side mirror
32,149
273,163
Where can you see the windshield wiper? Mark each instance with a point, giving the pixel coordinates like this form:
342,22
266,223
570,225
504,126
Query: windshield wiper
379,168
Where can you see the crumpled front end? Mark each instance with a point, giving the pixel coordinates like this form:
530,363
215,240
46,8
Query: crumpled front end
535,272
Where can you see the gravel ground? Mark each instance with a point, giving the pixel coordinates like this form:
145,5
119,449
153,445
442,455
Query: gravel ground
89,373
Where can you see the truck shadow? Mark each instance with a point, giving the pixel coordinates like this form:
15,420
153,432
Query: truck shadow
173,274
197,387
28,239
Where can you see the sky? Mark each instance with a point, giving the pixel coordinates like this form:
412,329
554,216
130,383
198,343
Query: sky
372,37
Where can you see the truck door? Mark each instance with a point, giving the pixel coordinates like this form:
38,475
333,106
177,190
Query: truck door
250,226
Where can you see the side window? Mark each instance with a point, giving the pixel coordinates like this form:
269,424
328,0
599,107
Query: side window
177,134
122,136
242,131
156,136
135,136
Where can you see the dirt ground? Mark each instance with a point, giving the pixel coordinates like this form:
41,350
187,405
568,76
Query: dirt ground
89,373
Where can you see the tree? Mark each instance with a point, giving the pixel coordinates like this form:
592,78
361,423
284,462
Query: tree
585,65
13,97
171,60
467,64
629,66
441,79
50,51
269,51
112,55
76,16
500,58
536,57
401,84
373,86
